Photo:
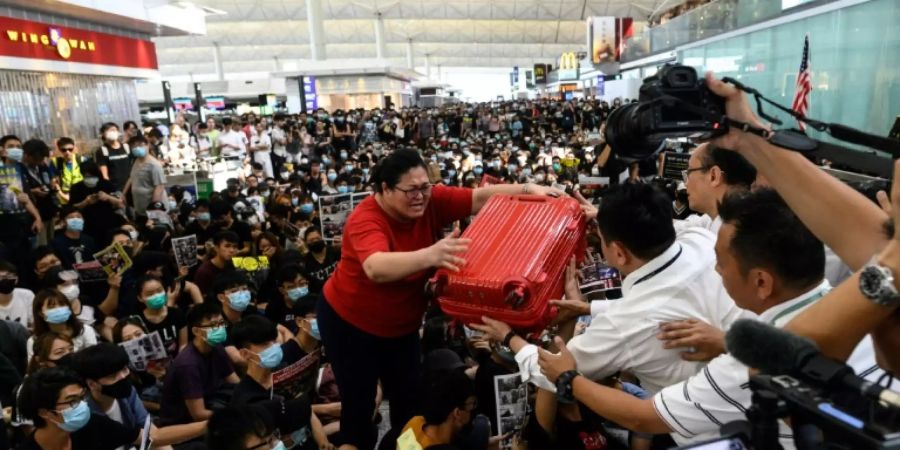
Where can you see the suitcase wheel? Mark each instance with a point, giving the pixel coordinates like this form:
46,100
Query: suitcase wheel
516,297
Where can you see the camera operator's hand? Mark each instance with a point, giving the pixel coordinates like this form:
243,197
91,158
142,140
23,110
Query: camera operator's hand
736,108
494,330
703,341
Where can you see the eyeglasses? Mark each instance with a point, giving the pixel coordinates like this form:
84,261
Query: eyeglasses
73,402
67,149
414,192
687,172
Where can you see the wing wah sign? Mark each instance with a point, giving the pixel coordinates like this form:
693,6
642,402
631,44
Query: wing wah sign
28,39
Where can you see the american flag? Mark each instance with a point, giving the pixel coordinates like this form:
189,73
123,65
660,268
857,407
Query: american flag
804,85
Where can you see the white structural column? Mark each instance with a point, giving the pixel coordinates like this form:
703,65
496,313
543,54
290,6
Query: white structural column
380,46
217,59
316,30
439,75
409,55
427,66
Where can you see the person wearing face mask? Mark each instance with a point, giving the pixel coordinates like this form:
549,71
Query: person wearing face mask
98,202
292,287
55,400
147,183
201,223
159,316
232,291
104,368
73,246
256,337
321,260
201,376
113,157
265,425
15,302
16,210
53,312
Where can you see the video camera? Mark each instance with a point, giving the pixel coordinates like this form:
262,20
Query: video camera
637,131
677,103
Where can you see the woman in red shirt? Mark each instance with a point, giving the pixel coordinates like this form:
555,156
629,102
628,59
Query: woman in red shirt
372,306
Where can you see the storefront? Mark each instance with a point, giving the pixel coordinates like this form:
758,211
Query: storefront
348,89
68,80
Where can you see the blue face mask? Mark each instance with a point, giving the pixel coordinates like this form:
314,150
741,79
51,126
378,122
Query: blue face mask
270,358
279,446
216,336
526,171
332,176
343,189
511,167
15,154
239,300
314,329
295,201
365,171
306,208
348,168
298,293
478,170
75,418
343,155
139,152
204,216
58,315
300,436
75,224
451,173
326,161
157,301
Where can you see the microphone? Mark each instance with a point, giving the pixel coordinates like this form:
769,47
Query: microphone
776,352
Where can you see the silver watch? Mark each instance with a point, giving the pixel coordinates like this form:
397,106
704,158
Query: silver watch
876,282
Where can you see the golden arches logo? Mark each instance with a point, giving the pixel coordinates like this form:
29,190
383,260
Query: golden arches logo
568,61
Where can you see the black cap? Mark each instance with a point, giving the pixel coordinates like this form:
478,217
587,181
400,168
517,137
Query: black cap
443,359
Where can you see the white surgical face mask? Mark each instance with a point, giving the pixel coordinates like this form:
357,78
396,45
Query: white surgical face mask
70,291
111,135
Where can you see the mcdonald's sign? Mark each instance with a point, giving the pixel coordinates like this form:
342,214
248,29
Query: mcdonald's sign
540,74
568,66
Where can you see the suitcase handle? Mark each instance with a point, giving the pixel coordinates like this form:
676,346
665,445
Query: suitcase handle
532,198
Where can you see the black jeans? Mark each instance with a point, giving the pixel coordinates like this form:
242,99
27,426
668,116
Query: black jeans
359,361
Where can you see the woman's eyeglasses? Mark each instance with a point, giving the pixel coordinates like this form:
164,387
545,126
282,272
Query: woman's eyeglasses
412,193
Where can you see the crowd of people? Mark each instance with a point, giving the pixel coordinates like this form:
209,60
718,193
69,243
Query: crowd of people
301,350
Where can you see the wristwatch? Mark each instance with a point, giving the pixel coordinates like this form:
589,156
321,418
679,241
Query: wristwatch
876,282
564,391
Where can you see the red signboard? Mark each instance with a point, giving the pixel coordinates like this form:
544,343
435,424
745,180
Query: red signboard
27,39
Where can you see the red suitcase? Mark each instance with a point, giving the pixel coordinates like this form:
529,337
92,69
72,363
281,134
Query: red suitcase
516,262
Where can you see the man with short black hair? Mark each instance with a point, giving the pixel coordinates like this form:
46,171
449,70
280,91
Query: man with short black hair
449,406
54,399
104,368
226,245
321,260
68,166
15,302
200,377
223,219
72,245
292,287
244,427
713,172
40,183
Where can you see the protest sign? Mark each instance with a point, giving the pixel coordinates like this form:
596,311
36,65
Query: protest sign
512,404
298,378
333,213
145,349
113,259
185,250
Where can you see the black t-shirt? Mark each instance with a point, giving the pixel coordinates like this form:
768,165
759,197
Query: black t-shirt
168,329
40,177
72,251
118,164
484,386
318,273
250,311
248,392
281,314
100,217
203,233
100,433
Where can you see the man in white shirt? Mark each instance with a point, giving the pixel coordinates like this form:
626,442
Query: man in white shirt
15,303
713,172
771,265
260,146
233,141
667,278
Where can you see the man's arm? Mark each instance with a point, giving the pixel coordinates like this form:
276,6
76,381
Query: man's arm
197,409
176,434
110,304
827,206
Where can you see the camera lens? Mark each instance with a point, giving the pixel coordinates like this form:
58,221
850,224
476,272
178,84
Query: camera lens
626,134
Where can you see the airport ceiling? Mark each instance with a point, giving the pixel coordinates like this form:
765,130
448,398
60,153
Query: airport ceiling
256,35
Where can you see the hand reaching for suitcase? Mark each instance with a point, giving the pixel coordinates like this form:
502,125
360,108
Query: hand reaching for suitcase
443,253
573,305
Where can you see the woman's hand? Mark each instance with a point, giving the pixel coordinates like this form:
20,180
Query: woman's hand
443,253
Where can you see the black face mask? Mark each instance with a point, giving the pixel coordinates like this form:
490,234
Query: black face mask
119,389
316,246
7,286
64,361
